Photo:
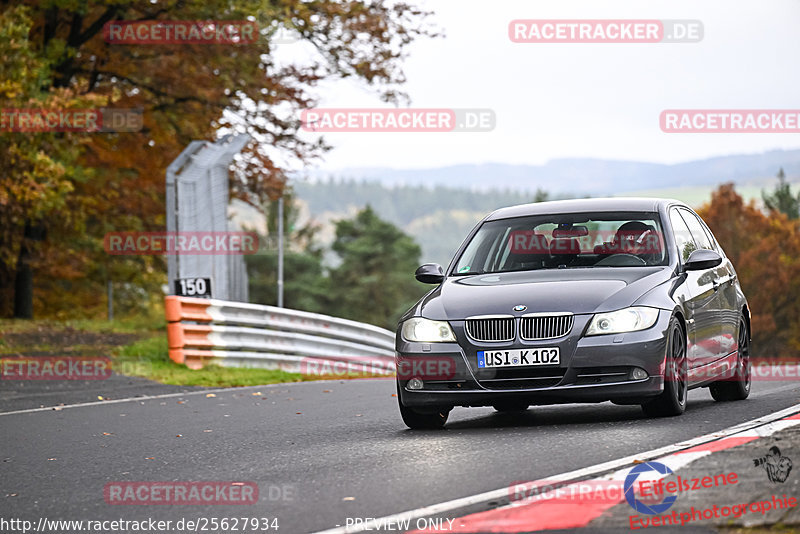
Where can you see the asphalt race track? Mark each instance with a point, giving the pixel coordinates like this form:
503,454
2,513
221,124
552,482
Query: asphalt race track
320,452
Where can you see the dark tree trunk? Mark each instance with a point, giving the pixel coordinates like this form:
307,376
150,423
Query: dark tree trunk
23,286
23,281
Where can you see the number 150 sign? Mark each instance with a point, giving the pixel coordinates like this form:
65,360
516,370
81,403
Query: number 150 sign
193,287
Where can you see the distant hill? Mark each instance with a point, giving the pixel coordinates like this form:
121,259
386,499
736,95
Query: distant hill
586,176
438,207
437,218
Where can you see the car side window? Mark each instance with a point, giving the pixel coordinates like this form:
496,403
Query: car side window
714,244
683,237
698,232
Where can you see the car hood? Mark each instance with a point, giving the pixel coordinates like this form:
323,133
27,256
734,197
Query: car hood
576,291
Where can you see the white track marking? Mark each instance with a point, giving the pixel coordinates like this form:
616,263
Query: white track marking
164,396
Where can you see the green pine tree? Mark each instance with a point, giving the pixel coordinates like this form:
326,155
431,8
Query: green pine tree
782,199
374,283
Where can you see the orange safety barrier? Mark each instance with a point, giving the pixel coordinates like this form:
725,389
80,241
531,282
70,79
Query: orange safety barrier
182,336
178,309
188,335
192,358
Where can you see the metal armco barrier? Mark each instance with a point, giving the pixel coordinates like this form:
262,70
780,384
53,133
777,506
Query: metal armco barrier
237,334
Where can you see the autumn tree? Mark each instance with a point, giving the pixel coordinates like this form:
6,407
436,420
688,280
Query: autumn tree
38,168
765,251
60,193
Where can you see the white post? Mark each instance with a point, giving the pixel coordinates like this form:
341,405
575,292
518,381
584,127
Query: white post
280,252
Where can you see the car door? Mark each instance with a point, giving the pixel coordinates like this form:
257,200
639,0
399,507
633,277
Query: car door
729,312
700,298
711,344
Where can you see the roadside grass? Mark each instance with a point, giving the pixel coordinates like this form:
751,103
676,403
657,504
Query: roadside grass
43,337
149,358
136,347
7,350
128,325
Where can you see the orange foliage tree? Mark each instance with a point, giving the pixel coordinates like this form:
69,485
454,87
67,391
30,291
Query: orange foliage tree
765,250
60,193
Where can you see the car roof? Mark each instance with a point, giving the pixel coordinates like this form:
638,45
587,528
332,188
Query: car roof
579,205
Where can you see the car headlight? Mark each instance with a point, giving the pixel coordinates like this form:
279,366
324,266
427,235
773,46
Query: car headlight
625,320
427,331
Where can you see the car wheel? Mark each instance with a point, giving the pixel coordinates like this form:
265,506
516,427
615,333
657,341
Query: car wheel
672,401
430,419
736,387
511,407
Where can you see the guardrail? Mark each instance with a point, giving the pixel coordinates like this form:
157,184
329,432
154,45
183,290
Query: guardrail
237,334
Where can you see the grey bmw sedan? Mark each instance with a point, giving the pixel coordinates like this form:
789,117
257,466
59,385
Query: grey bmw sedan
628,300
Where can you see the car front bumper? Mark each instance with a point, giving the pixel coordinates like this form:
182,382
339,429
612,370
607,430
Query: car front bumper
591,369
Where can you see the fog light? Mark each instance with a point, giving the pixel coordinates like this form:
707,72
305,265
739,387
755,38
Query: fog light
639,374
414,383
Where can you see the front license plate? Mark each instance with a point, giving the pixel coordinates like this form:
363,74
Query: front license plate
518,357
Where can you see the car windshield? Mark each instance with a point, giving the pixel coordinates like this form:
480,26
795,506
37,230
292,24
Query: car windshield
564,241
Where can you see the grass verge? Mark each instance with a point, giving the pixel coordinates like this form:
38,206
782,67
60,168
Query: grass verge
148,358
137,347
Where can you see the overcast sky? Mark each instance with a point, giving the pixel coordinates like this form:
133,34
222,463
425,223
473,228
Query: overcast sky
584,100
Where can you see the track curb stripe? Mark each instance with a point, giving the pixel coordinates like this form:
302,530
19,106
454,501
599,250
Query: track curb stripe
550,515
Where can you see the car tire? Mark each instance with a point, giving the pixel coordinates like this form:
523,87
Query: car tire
672,401
511,407
431,419
736,387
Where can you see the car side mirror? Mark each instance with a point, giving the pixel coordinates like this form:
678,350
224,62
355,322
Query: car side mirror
430,273
702,259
